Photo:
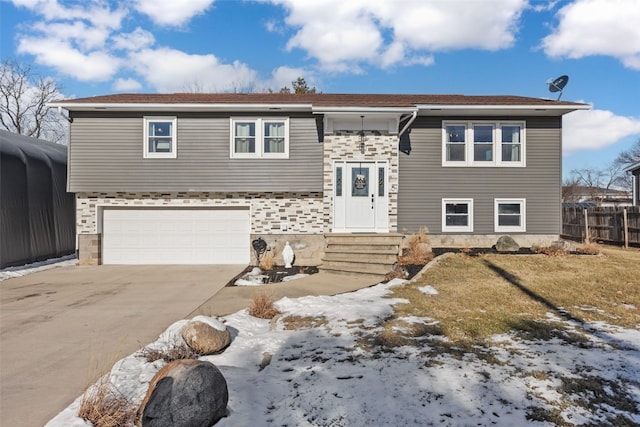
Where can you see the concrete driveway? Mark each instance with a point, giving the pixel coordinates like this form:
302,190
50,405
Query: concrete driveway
63,328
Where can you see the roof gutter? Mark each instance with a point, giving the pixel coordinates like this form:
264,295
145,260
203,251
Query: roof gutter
86,106
361,110
503,107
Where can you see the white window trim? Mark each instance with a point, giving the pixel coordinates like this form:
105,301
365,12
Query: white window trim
497,144
523,216
174,137
457,228
259,122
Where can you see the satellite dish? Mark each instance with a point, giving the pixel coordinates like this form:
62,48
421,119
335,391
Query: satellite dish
556,85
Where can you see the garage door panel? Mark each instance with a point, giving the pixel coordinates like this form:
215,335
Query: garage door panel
176,236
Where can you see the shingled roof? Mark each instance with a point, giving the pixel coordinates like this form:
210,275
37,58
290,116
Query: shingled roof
319,99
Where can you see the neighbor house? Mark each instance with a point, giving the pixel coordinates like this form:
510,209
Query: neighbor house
597,196
634,170
193,178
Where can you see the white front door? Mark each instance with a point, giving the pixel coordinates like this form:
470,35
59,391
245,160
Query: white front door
361,202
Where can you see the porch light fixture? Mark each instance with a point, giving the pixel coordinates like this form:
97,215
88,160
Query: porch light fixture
362,134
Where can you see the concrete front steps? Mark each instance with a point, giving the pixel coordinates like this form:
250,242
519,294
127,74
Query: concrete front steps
363,253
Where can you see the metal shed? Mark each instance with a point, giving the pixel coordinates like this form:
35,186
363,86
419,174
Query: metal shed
37,215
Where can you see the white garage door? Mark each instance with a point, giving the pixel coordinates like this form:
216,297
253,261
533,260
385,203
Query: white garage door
175,236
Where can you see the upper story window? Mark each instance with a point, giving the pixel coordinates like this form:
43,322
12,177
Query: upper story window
260,137
483,143
160,139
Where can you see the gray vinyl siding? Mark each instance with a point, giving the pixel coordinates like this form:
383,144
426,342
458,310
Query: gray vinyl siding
424,182
106,154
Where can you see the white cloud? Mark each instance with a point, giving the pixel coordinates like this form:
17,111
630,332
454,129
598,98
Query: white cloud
597,27
84,66
334,32
126,85
84,36
595,129
543,7
441,25
98,12
158,67
136,40
172,13
340,34
72,38
284,76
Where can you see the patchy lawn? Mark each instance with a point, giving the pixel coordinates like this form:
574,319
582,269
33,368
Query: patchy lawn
531,307
493,294
477,341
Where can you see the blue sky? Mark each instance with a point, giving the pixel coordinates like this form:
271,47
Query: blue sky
471,47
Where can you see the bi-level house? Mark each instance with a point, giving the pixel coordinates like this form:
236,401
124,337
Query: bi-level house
193,178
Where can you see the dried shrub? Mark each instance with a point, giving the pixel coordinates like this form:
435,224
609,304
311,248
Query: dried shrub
398,272
267,261
176,351
418,249
103,406
553,250
589,249
262,306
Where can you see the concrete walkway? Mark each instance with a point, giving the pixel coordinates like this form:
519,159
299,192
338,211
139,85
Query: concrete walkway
233,298
63,328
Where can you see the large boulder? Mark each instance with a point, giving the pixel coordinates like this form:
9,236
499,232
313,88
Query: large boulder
507,244
206,335
185,393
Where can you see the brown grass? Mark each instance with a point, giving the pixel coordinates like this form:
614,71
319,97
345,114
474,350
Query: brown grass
262,306
102,406
589,249
174,352
306,322
492,294
418,250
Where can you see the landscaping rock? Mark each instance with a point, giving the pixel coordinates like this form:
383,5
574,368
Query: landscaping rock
185,393
204,338
507,244
564,245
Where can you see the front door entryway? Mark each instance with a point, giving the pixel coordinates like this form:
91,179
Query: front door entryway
361,201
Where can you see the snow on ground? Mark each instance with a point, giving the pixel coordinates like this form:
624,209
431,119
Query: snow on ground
337,374
23,270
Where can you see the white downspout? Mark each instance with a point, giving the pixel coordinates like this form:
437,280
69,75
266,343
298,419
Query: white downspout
69,119
404,129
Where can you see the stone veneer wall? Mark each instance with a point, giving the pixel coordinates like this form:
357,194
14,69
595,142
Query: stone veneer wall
301,211
345,145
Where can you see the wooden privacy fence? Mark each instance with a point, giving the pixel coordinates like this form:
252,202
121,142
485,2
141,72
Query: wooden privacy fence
613,225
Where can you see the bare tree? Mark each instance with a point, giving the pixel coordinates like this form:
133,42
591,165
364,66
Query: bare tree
629,156
23,103
598,179
571,189
595,183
